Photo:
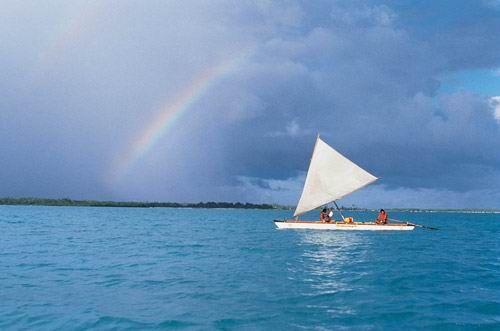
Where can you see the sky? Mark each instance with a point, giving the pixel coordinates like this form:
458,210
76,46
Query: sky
214,100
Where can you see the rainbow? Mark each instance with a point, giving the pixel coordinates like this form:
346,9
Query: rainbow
170,113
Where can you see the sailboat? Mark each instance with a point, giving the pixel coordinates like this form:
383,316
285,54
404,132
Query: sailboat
331,176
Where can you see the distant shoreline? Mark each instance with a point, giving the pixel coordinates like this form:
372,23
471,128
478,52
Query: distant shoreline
131,204
232,205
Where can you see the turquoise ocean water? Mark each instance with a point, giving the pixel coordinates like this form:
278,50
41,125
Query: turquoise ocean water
73,268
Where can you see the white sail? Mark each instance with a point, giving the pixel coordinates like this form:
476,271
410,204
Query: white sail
331,176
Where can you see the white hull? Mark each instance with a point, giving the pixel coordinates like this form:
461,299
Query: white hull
289,224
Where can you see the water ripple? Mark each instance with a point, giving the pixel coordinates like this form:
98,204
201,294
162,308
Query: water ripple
152,269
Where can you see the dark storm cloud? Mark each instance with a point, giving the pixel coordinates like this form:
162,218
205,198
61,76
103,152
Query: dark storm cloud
372,88
83,80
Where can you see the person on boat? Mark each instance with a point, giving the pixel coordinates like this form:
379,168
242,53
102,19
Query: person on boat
382,217
324,216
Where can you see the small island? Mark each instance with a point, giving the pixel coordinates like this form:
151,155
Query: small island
132,204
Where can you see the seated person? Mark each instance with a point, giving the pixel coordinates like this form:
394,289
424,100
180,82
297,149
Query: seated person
382,217
324,216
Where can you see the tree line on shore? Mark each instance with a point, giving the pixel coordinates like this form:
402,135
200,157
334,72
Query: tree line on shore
134,204
211,204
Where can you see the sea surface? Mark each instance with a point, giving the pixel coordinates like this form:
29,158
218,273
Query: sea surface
78,268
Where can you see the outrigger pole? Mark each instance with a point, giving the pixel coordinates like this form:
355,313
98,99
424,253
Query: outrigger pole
417,225
335,203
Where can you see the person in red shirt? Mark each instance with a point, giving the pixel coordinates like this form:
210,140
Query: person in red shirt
382,217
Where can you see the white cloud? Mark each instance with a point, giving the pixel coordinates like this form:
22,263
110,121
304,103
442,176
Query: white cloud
495,105
292,129
380,15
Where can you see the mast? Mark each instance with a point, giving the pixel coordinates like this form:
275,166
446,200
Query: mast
336,206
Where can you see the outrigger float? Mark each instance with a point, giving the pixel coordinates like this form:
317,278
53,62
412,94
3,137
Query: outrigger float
331,176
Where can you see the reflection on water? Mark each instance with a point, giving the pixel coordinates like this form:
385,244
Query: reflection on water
333,259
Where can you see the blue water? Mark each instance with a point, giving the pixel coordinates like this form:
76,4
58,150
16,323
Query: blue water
117,268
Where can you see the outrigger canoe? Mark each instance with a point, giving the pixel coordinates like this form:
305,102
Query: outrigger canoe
332,176
316,225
